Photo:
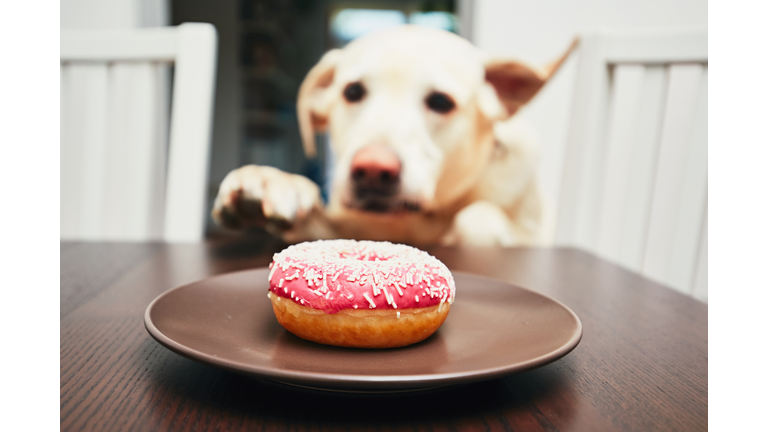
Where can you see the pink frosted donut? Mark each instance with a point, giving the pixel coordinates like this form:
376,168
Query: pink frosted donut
360,294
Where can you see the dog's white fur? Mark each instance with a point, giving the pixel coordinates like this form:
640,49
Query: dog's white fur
470,171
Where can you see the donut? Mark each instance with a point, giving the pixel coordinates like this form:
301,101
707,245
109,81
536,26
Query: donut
360,294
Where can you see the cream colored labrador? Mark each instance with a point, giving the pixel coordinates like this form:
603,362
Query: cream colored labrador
425,151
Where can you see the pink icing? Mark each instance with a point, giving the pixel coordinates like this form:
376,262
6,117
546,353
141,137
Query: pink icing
334,275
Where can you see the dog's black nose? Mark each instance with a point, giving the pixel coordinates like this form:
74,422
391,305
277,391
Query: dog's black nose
375,172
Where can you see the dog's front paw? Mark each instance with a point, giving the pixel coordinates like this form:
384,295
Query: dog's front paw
481,223
265,197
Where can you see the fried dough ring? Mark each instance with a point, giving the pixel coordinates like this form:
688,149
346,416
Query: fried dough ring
360,328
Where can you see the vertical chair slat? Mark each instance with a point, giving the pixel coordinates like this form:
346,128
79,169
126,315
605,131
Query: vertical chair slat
578,201
191,119
643,168
82,162
693,197
668,191
700,285
626,98
130,152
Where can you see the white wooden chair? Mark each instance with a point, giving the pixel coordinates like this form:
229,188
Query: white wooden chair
634,187
127,175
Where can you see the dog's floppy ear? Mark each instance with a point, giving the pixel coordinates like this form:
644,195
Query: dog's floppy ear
312,105
516,84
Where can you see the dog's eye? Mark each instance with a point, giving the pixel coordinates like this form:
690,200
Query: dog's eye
354,92
440,102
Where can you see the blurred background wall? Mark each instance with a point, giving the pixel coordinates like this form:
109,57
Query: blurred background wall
267,46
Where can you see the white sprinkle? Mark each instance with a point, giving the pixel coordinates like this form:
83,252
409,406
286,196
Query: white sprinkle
280,285
355,306
269,296
317,293
338,287
399,290
302,301
417,298
279,298
336,277
386,295
394,305
373,305
398,314
285,290
350,296
292,293
272,272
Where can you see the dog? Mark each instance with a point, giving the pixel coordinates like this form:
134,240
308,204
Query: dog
425,145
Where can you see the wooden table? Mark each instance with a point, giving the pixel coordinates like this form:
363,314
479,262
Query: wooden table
641,365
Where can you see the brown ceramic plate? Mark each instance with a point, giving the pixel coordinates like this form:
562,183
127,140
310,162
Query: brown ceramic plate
493,329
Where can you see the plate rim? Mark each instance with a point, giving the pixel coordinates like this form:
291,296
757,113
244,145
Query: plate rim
350,381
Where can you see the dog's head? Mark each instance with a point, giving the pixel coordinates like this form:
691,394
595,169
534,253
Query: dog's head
410,113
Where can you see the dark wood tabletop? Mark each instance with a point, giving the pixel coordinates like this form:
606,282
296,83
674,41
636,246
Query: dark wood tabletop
641,365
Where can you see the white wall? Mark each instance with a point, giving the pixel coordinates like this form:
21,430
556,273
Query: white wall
537,32
114,13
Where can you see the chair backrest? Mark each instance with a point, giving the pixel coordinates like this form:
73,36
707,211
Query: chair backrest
126,174
634,184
